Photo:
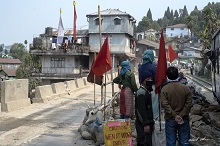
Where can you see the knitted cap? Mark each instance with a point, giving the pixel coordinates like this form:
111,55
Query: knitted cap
143,75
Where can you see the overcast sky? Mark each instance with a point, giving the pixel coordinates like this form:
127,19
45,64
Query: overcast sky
24,19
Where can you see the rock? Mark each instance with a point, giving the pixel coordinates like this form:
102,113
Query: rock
206,118
196,109
198,123
86,135
84,128
195,118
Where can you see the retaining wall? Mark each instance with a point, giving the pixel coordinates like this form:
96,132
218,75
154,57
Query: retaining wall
14,94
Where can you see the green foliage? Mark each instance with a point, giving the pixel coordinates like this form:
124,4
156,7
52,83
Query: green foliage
176,14
30,64
210,26
1,48
18,51
185,12
6,51
149,15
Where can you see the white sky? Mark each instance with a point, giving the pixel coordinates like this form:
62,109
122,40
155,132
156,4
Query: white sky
24,19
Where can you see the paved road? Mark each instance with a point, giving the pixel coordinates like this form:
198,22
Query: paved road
54,123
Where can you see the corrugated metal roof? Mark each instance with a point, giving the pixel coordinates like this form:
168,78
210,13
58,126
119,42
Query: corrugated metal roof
149,43
9,61
177,26
108,12
70,32
10,72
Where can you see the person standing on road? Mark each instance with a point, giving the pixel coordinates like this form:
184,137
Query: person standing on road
176,99
143,110
127,79
148,65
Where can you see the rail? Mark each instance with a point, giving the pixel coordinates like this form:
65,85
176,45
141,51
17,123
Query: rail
205,84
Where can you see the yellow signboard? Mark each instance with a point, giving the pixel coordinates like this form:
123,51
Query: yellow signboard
117,133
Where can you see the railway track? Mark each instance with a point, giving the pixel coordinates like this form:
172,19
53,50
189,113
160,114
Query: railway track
201,82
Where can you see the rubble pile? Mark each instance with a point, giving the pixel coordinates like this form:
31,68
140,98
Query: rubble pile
95,117
204,121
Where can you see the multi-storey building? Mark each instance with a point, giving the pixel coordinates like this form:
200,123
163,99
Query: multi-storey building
73,60
120,29
61,62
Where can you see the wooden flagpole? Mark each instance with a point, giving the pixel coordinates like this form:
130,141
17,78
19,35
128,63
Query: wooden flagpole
159,106
100,37
94,77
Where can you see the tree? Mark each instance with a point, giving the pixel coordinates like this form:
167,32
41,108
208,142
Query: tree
149,15
192,23
176,14
185,12
25,42
6,51
211,25
144,25
1,48
18,51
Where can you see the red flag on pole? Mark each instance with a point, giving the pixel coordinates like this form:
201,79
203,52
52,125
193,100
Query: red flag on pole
98,79
161,64
171,55
103,61
74,23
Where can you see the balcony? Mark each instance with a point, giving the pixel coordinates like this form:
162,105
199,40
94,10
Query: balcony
61,73
53,49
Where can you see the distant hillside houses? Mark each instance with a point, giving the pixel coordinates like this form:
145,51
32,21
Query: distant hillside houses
146,34
177,30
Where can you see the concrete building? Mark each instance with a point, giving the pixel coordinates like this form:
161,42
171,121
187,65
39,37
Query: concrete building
120,29
148,34
177,30
61,62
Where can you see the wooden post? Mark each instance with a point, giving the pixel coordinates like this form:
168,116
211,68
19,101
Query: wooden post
100,37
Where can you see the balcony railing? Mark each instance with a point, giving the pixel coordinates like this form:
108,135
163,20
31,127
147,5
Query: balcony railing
68,72
51,48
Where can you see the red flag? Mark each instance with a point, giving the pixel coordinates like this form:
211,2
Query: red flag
171,55
161,64
74,24
98,79
103,61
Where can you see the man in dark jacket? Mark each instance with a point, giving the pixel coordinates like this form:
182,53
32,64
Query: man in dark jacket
148,65
176,99
143,110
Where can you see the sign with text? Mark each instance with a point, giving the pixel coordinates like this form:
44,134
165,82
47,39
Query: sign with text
117,133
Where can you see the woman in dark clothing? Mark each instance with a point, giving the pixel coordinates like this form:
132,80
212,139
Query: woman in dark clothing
143,110
127,79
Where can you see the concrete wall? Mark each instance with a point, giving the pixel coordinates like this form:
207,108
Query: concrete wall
44,93
14,94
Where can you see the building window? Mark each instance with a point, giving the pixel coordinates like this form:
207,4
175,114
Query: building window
181,28
117,20
97,21
172,28
57,62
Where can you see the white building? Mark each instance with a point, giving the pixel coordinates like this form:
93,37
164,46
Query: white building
178,30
